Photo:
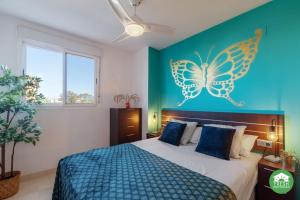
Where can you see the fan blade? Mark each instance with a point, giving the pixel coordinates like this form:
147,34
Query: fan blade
121,38
152,27
137,19
158,28
119,11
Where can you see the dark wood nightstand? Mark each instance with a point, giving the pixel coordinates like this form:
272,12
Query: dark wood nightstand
152,135
263,192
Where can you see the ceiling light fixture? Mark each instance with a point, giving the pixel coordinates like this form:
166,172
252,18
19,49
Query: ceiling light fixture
134,29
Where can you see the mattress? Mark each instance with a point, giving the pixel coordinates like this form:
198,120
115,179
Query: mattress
239,175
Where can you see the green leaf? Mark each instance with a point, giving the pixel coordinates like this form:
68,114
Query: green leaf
19,96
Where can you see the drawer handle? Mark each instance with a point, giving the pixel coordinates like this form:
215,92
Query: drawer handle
267,186
130,118
268,169
129,135
130,126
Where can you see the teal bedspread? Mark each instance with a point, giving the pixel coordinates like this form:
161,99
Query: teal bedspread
128,172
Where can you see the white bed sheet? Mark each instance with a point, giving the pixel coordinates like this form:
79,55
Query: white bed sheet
239,175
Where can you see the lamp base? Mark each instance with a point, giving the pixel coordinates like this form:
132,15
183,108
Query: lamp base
272,158
155,132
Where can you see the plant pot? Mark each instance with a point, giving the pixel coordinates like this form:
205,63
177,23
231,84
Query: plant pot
127,105
10,186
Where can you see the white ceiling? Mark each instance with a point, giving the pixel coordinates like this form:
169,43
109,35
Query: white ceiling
94,19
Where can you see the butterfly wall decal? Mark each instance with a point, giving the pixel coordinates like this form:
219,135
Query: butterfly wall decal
219,76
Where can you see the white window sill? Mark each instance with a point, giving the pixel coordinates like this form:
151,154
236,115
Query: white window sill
66,107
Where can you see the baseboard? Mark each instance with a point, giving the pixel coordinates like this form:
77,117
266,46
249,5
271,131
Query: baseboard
37,174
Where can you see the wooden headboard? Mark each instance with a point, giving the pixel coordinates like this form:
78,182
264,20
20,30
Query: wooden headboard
257,124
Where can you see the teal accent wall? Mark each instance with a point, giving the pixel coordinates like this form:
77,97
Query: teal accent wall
273,83
153,87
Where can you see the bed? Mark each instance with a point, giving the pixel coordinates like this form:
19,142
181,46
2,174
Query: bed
152,169
238,174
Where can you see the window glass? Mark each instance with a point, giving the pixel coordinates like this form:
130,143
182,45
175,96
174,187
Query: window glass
80,73
48,65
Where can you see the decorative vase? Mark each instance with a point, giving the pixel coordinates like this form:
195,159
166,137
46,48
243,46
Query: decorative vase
127,104
289,160
10,186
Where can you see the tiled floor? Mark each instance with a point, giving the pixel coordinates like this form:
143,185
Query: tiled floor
36,188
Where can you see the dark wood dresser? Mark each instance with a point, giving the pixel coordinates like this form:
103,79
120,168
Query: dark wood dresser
125,125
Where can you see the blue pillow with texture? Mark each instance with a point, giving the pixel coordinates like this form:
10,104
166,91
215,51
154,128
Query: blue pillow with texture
172,133
216,142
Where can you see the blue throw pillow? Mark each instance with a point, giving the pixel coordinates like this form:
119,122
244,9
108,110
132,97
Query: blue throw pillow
216,142
172,133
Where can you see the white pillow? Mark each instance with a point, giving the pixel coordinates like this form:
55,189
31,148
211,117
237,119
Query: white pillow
248,142
196,135
236,140
188,131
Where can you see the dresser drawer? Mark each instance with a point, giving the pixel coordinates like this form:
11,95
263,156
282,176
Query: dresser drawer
129,119
129,137
126,129
264,174
130,114
264,192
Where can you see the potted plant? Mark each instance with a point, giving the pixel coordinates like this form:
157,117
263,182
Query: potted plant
18,100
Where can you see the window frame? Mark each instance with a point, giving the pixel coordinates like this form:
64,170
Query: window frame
64,52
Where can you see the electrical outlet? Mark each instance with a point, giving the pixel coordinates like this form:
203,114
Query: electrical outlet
264,143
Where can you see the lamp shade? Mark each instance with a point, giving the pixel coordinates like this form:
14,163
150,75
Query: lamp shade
272,136
134,29
154,118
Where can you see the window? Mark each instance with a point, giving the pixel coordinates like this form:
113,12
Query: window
47,65
68,78
80,79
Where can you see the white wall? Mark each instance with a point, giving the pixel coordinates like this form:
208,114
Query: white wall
139,83
70,130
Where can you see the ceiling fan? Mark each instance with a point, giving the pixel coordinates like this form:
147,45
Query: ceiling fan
135,26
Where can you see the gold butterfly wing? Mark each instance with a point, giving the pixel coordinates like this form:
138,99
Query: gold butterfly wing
231,64
187,75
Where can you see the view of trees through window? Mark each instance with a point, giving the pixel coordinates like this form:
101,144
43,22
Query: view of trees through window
78,84
80,79
73,97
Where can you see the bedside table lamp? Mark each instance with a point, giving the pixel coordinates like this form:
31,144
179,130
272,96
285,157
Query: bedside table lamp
273,136
155,121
